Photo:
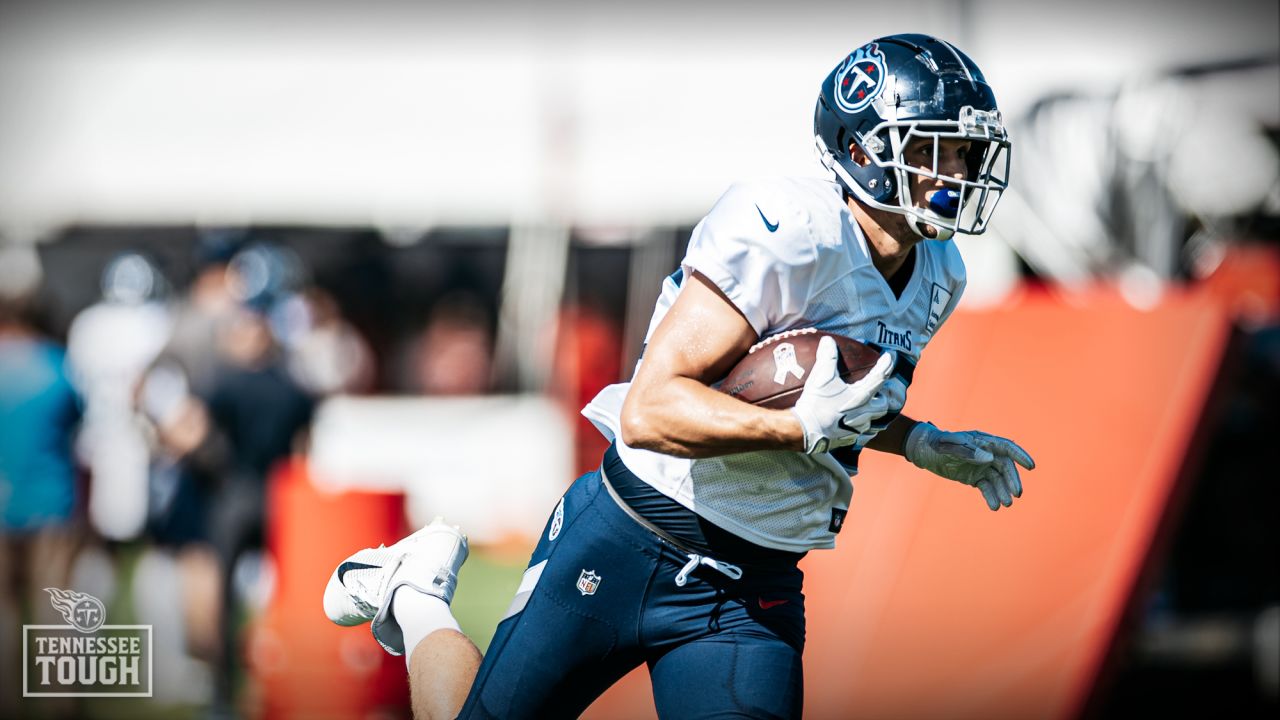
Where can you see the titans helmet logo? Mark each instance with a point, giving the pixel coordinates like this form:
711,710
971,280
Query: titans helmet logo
860,79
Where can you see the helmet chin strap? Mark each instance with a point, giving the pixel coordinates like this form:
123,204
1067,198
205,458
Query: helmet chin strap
943,226
914,222
943,233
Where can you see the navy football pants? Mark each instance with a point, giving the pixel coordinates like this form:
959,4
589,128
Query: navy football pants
606,601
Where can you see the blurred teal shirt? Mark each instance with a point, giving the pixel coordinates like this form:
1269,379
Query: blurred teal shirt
39,409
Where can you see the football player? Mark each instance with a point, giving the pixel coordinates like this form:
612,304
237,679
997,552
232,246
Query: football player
681,551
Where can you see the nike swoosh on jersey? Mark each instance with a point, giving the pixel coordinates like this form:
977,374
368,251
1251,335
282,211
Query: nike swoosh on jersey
766,604
347,567
773,227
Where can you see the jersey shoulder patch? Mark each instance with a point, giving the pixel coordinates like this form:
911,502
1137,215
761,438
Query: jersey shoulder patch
945,280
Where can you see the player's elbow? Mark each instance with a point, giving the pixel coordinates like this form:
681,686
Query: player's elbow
640,429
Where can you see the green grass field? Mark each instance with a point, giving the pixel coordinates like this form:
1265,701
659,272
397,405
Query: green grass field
485,587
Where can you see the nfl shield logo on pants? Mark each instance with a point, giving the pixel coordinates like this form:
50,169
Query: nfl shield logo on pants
588,581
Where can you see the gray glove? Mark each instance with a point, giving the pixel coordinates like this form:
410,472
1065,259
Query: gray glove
984,461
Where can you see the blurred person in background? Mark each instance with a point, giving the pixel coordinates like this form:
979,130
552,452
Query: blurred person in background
177,579
454,353
207,302
109,346
39,410
326,354
262,415
587,360
219,433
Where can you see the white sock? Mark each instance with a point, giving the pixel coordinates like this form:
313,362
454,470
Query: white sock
419,615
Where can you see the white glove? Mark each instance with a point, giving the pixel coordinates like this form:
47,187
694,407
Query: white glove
973,458
894,391
833,412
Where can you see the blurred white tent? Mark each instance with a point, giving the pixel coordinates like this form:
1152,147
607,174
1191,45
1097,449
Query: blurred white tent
406,115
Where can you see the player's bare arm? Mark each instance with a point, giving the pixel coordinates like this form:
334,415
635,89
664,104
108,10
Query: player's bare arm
671,407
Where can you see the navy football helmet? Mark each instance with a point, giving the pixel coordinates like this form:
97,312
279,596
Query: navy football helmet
897,89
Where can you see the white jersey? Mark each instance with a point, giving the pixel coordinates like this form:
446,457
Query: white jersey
789,254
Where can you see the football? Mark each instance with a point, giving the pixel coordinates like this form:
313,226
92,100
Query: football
773,372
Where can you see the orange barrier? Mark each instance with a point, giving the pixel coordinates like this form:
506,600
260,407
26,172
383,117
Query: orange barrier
1246,280
932,606
305,666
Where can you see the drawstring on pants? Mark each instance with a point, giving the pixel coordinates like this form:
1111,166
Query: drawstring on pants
729,570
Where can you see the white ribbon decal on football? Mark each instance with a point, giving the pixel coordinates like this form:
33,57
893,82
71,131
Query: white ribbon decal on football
784,361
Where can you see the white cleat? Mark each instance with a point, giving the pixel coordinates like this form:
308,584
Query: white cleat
362,586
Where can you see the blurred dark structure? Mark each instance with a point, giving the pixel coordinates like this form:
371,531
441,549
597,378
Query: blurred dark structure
1147,179
1205,641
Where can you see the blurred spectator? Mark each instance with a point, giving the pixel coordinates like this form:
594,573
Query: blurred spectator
181,571
587,358
253,400
225,410
208,301
38,478
263,414
454,353
169,396
224,443
326,355
109,346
